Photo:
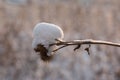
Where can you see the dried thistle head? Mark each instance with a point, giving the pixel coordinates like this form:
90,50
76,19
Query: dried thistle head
43,53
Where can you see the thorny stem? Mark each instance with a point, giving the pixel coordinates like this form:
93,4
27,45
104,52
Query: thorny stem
81,42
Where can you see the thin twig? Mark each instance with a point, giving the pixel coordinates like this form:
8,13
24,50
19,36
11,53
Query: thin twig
59,48
86,41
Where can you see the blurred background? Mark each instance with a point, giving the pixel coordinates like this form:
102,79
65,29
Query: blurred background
79,19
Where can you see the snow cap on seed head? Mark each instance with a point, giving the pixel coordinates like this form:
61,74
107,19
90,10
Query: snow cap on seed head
46,33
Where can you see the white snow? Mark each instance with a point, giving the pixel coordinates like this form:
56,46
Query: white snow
45,34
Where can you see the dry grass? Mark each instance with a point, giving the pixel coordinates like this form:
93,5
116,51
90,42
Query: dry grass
98,20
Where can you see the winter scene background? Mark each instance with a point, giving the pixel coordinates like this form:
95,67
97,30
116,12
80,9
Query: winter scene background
79,19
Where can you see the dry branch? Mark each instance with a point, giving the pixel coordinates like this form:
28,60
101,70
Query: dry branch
82,42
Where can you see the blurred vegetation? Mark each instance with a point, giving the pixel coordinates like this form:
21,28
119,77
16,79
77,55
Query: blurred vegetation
80,19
